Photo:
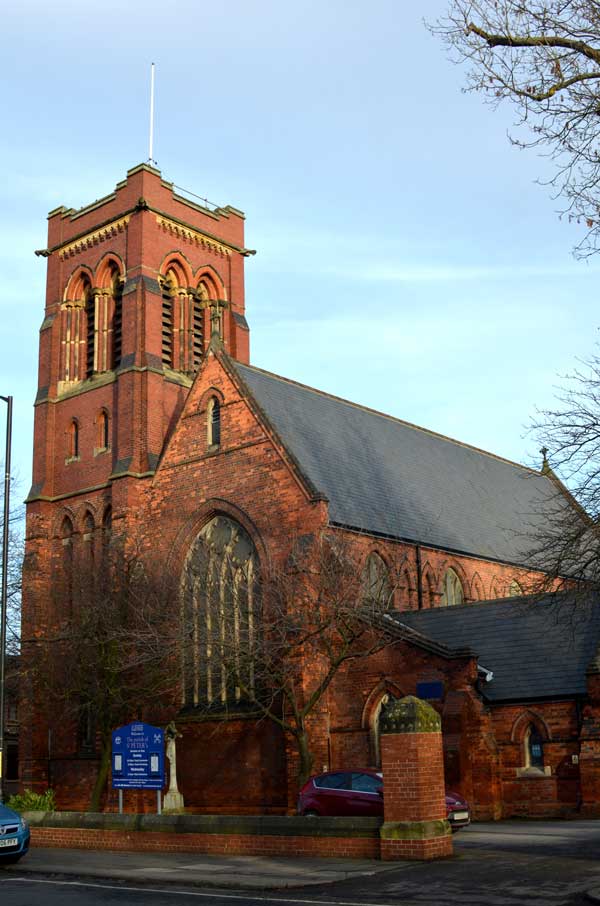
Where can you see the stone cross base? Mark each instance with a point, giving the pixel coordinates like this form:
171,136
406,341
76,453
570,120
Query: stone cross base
173,802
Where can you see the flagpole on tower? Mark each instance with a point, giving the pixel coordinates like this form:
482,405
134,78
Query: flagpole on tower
151,143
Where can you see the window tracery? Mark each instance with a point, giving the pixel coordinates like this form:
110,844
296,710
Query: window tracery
220,613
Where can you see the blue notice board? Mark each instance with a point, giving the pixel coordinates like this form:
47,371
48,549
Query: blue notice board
138,757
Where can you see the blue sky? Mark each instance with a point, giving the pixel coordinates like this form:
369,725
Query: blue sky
406,258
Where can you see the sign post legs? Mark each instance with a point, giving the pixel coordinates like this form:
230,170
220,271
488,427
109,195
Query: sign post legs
120,802
158,808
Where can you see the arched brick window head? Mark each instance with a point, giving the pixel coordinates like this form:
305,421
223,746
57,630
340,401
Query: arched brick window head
213,423
452,590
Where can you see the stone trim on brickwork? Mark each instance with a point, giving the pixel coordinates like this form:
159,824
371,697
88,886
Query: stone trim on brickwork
246,825
114,225
48,499
414,830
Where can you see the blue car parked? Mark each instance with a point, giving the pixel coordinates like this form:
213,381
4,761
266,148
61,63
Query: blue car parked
14,836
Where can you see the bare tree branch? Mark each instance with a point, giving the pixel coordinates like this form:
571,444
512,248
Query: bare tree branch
544,57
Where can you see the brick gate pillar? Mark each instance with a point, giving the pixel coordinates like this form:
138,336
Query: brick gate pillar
589,753
412,761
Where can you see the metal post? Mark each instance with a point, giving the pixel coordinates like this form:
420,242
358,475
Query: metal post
9,401
158,805
120,802
151,142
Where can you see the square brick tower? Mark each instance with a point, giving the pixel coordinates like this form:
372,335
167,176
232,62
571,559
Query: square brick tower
137,283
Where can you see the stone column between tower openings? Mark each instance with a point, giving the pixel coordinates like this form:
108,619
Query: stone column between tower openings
415,825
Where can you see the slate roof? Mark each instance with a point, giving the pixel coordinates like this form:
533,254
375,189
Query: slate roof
535,647
386,476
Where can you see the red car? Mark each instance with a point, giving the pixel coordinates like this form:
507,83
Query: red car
361,793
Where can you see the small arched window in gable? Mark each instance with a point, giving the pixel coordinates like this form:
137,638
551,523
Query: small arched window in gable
74,439
514,589
213,422
534,748
452,590
377,588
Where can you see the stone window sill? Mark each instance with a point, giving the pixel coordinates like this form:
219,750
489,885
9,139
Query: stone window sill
71,459
534,773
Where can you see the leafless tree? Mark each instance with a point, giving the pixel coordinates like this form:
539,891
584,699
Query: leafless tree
566,546
15,565
544,57
319,610
111,654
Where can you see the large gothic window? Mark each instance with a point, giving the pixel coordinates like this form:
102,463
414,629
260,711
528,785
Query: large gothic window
220,616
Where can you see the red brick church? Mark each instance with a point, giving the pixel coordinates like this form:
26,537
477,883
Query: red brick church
151,422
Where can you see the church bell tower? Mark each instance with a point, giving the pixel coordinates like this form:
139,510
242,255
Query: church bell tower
137,282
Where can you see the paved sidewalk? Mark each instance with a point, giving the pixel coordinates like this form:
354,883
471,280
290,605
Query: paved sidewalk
509,863
192,869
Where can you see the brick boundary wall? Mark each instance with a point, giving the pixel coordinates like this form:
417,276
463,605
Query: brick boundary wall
208,834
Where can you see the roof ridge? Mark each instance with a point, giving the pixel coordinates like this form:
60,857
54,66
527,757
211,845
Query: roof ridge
393,418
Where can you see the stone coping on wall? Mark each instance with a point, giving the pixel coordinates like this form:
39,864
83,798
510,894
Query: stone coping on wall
239,825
